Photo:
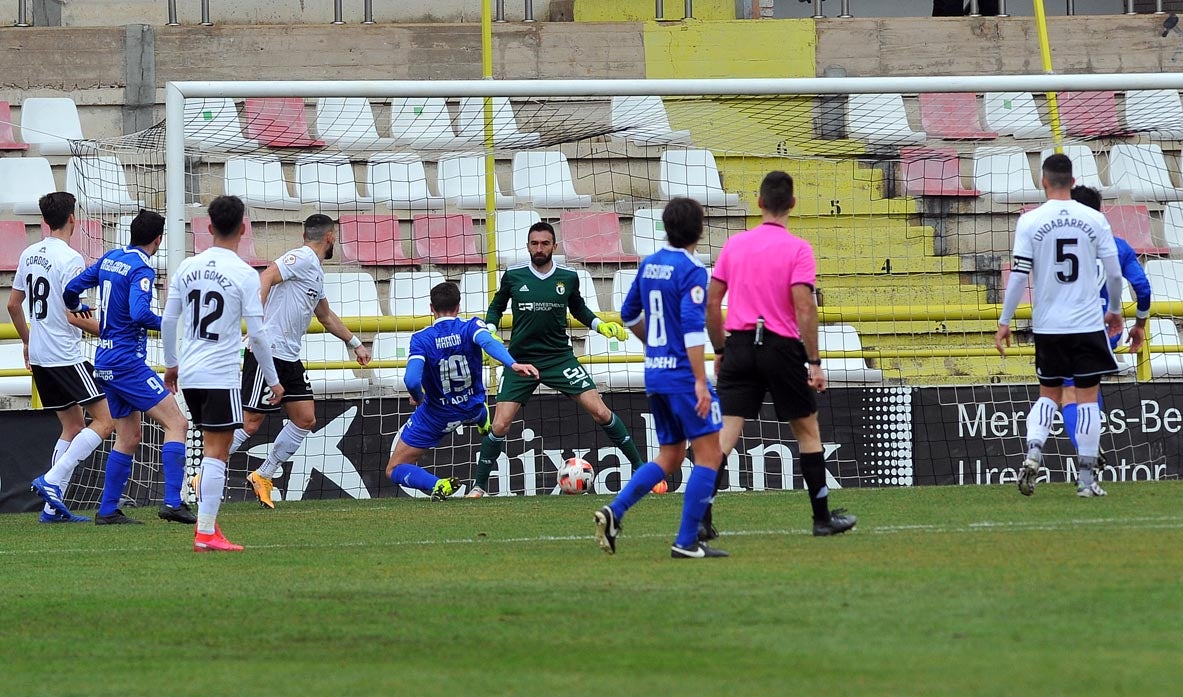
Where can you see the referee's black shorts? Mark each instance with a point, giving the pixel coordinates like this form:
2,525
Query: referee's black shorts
776,367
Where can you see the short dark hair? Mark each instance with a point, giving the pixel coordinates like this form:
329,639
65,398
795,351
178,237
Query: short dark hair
1057,170
445,297
1088,196
146,228
683,222
316,226
56,208
776,192
226,214
543,227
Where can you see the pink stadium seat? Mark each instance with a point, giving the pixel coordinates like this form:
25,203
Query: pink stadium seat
933,172
373,240
12,242
446,239
87,239
1089,113
7,140
952,115
279,123
1132,224
203,240
593,237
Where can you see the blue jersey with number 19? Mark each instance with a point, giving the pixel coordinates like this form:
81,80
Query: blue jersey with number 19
452,378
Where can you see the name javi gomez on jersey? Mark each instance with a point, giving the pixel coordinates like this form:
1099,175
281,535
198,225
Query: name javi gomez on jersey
452,377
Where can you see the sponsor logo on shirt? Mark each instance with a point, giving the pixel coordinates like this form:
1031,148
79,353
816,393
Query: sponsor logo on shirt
145,285
560,288
697,294
524,289
538,307
290,260
661,362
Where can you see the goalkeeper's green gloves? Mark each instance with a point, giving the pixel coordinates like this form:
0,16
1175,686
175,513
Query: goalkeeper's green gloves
612,330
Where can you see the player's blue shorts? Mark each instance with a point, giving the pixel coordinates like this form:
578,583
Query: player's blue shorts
429,424
130,388
1113,342
676,420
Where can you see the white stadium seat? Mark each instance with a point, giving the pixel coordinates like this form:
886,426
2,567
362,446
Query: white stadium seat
1157,113
694,174
543,179
880,119
328,183
622,280
1172,224
390,346
644,121
259,183
100,185
474,293
399,181
1014,114
211,125
423,124
48,124
513,230
1084,167
648,231
1142,171
1005,174
23,181
462,183
616,376
471,125
352,294
410,292
348,123
12,356
326,347
843,337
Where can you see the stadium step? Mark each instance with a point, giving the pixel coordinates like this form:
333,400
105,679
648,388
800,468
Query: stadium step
870,331
864,238
934,296
822,187
920,283
957,371
832,265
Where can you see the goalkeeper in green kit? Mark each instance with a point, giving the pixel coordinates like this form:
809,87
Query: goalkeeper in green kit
542,293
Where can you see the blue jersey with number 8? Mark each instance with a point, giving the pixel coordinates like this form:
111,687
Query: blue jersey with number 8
452,359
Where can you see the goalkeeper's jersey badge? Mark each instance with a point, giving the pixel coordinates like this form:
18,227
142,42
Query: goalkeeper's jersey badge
560,288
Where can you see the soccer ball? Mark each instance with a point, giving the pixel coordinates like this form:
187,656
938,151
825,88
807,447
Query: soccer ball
575,476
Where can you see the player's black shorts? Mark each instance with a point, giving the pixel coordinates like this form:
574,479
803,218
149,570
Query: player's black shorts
255,391
1084,358
61,387
750,372
214,410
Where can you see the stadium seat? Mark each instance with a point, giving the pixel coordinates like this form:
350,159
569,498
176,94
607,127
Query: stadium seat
203,240
1172,224
1157,113
1132,224
644,121
423,124
100,185
1014,114
587,289
513,230
1084,167
1166,279
327,182
373,240
12,356
471,124
410,292
593,238
648,231
693,173
1089,113
616,376
843,337
1005,174
474,293
543,179
348,123
279,123
462,183
390,346
211,125
87,239
952,115
23,181
1161,331
123,239
933,172
8,141
399,181
13,241
259,183
880,119
318,348
446,239
48,124
352,294
1142,171
622,280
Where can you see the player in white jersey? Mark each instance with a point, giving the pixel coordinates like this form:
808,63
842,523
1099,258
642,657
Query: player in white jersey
210,295
1058,245
292,292
53,352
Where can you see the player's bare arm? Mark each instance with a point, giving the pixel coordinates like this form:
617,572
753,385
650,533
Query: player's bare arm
806,307
715,333
270,277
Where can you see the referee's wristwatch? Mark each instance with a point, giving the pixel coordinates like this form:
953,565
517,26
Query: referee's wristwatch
815,361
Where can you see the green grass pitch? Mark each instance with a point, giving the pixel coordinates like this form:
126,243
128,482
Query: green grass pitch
939,591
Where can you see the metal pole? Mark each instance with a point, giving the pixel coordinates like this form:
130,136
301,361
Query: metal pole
499,12
1129,8
845,13
368,12
529,16
1071,7
817,10
1002,8
205,14
1158,8
660,11
21,18
172,13
689,10
338,11
974,10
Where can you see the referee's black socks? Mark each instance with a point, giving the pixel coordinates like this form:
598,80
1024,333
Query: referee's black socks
813,469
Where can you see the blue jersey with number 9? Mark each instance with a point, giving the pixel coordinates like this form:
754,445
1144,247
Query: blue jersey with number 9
452,378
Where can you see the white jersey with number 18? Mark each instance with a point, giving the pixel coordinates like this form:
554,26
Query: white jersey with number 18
42,274
216,290
1059,244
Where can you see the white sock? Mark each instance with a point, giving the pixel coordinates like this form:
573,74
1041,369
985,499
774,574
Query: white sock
286,444
79,449
1039,423
240,437
209,497
59,448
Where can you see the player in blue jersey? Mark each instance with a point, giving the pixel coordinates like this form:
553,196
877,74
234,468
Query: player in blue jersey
443,378
125,279
1132,271
666,308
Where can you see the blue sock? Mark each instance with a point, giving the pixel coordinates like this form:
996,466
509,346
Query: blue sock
641,483
1069,412
415,477
117,472
172,461
700,490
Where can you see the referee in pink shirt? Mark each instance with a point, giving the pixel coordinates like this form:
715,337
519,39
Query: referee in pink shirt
768,342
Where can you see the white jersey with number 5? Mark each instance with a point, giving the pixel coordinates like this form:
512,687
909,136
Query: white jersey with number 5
216,289
1059,244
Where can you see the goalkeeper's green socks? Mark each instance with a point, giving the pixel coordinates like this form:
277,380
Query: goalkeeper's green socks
491,447
619,436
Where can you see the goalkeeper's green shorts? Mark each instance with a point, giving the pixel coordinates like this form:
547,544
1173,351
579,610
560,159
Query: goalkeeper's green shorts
568,377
